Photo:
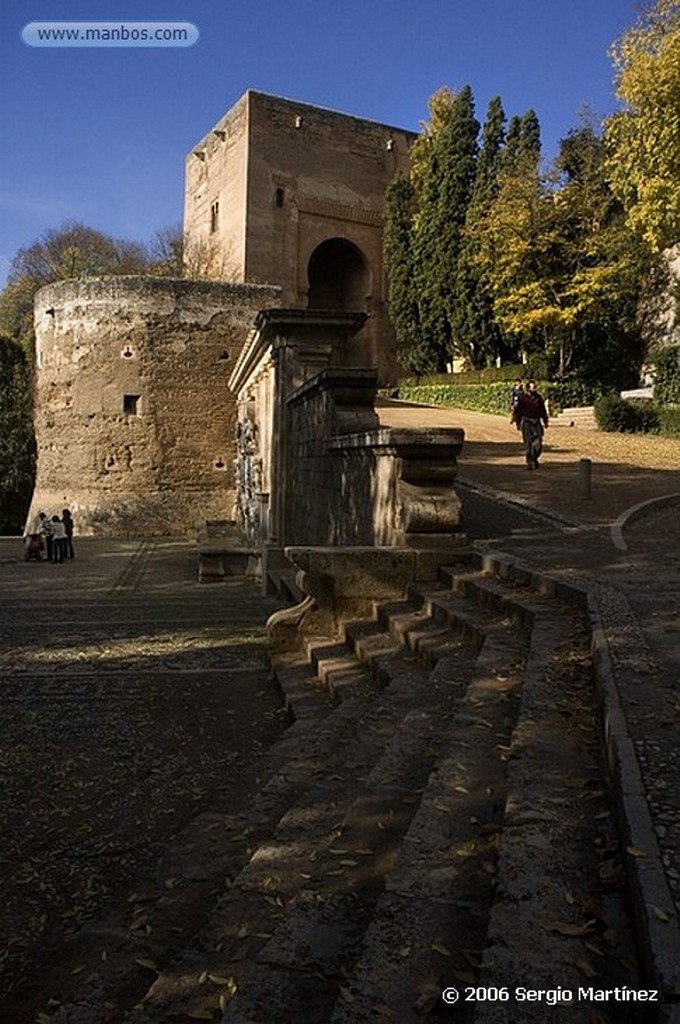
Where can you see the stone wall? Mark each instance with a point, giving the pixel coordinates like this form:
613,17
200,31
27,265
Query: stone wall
352,483
135,422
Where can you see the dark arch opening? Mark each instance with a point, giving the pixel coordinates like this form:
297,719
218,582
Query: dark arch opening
338,276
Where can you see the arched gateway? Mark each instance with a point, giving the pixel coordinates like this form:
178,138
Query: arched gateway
338,277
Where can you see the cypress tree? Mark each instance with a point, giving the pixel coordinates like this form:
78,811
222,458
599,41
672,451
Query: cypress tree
529,148
446,190
512,139
477,335
399,264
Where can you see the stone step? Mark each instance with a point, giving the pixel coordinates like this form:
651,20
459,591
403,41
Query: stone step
393,811
559,840
437,895
576,416
303,964
275,979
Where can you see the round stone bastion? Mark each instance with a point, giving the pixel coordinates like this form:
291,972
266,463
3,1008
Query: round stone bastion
134,420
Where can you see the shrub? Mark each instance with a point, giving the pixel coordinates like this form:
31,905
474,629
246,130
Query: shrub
669,420
571,391
617,415
667,386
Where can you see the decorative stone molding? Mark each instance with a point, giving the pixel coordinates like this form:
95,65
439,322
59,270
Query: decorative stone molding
343,584
339,211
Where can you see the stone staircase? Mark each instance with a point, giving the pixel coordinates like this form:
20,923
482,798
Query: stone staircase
436,817
578,416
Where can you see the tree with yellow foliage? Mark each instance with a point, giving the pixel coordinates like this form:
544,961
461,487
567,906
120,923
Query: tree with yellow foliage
643,139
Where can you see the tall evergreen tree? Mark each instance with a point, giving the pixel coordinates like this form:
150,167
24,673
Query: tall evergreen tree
399,259
512,140
529,146
446,191
477,336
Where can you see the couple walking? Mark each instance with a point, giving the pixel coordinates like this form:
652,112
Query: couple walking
530,416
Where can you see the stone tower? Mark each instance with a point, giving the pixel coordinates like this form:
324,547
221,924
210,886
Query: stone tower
284,192
135,422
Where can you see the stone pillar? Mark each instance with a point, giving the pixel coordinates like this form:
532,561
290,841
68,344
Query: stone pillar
285,350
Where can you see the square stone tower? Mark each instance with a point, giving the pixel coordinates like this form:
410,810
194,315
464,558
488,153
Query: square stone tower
285,193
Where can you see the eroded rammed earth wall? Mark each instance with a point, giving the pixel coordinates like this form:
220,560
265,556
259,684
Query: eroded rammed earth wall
135,422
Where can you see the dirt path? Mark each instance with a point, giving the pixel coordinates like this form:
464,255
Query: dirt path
626,469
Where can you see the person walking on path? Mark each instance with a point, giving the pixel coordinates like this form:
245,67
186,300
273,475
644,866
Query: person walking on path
530,416
67,520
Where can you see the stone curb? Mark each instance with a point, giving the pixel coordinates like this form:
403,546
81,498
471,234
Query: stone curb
506,498
638,512
651,899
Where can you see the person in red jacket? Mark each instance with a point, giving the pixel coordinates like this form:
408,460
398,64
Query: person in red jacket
530,416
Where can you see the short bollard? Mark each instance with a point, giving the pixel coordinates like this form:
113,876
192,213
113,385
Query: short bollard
585,472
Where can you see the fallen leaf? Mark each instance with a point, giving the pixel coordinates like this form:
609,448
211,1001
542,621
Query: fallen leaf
576,931
635,851
149,964
585,968
660,914
439,947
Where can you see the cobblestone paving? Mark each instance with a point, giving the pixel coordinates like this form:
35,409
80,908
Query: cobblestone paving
132,699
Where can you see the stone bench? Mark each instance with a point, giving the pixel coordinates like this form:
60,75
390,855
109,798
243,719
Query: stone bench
223,551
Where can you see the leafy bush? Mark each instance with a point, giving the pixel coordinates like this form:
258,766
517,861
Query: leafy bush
571,392
617,415
667,386
669,420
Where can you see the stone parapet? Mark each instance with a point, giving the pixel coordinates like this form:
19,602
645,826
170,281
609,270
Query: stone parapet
372,486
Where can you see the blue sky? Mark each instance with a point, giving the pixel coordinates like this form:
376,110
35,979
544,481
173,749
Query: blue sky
100,135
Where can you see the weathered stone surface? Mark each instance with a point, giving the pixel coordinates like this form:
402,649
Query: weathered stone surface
287,192
135,421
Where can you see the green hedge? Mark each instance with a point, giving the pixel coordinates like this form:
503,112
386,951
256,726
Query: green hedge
669,420
570,393
667,385
613,414
492,398
619,415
